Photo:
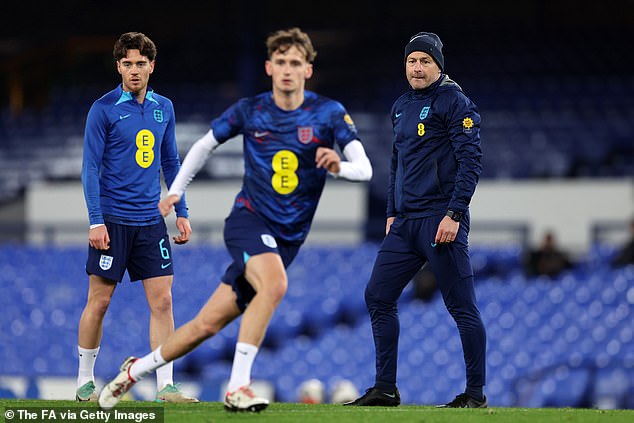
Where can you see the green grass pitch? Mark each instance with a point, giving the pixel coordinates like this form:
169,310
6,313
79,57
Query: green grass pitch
213,412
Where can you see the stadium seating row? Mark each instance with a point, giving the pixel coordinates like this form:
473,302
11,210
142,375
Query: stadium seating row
551,342
533,127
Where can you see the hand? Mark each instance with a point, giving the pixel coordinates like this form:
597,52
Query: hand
184,229
447,231
388,224
98,238
166,205
328,159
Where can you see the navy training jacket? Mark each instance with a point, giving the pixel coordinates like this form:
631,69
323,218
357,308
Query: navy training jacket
436,154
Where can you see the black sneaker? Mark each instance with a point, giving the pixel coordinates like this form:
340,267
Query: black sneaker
374,396
465,401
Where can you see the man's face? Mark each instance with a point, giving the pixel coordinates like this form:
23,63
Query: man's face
289,70
421,70
135,71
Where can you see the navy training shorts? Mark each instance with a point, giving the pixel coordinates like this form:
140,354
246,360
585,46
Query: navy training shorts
246,235
143,250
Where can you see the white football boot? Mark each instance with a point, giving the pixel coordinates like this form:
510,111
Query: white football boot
112,393
245,400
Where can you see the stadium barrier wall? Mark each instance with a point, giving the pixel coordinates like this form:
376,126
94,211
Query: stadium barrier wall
503,211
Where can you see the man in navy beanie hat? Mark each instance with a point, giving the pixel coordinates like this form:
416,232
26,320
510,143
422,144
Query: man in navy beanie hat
435,167
429,43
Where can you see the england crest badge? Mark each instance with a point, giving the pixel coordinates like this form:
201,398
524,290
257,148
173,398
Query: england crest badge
424,112
305,134
105,262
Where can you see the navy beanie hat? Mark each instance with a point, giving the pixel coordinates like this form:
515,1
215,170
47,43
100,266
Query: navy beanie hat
429,43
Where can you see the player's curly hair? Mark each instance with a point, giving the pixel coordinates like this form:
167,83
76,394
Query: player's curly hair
134,41
284,39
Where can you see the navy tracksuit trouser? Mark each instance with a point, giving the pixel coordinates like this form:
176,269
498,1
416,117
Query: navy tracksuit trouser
406,248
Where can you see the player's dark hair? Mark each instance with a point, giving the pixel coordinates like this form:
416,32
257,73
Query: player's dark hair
134,41
284,39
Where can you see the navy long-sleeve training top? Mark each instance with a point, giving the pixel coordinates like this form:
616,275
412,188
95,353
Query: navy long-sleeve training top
126,144
436,154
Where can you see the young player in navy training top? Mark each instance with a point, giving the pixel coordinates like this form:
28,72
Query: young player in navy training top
436,163
129,138
289,134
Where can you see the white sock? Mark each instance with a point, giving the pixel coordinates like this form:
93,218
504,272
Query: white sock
165,376
147,364
241,369
87,358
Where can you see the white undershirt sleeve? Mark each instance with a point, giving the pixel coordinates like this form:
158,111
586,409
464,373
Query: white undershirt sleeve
193,162
357,167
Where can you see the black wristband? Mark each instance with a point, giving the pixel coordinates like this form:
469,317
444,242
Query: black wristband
454,215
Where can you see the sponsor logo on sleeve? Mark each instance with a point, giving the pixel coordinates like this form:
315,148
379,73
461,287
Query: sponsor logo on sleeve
467,125
348,119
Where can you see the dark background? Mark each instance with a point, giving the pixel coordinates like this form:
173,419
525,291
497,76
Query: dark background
359,44
554,80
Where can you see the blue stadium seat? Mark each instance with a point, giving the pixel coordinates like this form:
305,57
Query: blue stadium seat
543,335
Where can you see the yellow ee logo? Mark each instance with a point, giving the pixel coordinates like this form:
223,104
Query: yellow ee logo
285,179
145,148
421,129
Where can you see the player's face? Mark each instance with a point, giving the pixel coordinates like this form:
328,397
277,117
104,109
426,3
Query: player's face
421,70
289,70
135,71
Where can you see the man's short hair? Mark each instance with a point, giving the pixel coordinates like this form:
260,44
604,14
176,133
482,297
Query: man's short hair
284,39
134,41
